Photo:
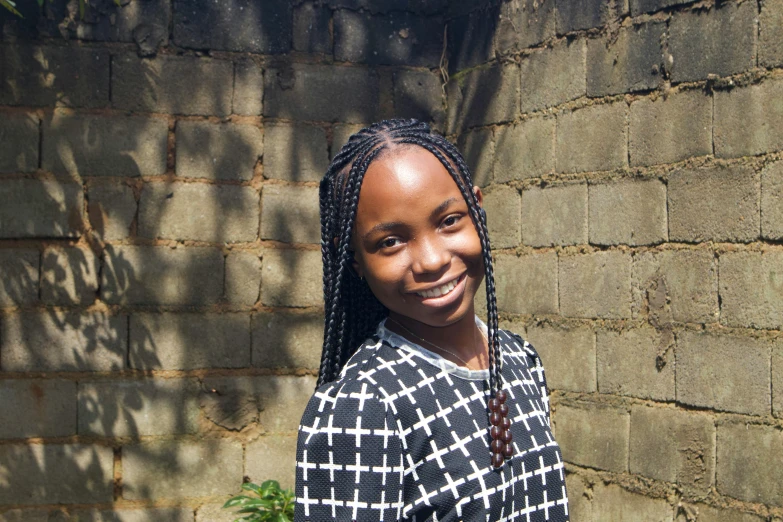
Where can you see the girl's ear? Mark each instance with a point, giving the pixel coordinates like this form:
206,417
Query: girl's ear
479,195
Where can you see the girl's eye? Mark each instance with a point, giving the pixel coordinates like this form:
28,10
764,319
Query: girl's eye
389,242
451,220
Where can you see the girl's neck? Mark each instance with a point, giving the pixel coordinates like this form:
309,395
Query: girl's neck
461,342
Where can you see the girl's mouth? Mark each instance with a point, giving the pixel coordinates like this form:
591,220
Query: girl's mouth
443,293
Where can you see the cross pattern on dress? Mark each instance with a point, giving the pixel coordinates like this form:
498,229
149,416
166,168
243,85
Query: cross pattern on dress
400,436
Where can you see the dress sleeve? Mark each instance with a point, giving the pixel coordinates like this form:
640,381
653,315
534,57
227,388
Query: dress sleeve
349,457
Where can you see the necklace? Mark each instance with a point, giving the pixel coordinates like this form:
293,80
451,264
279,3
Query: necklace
440,348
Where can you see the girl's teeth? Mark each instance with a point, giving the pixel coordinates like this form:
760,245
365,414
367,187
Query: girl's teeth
441,290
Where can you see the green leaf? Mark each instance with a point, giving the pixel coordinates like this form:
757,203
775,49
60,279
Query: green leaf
11,6
239,500
250,486
281,518
270,486
81,9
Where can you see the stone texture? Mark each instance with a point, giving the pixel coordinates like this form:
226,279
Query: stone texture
175,470
629,61
287,340
502,204
56,474
396,38
161,275
574,16
19,276
648,6
248,88
470,37
705,513
745,454
695,41
568,354
628,212
199,212
139,407
133,515
243,277
483,96
272,456
478,149
614,503
670,129
525,150
112,208
770,49
25,515
580,498
592,139
234,25
418,94
144,23
750,290
66,76
676,285
555,215
290,214
723,372
311,28
777,380
69,276
772,201
636,363
84,145
277,401
63,341
553,76
19,142
40,208
593,435
37,408
292,278
168,84
596,285
186,341
298,92
673,446
214,513
524,23
218,151
714,204
295,152
758,109
527,284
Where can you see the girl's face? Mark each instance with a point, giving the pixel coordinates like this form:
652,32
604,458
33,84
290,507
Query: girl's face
414,241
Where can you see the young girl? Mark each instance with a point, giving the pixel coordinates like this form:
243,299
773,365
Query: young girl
422,412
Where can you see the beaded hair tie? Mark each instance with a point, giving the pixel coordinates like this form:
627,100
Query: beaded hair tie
501,430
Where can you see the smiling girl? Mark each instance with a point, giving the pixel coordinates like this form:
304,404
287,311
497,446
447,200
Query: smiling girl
422,412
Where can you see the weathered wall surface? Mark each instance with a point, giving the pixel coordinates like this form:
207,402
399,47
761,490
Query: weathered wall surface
631,157
160,299
160,280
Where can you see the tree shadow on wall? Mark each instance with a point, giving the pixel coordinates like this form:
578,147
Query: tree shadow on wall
136,285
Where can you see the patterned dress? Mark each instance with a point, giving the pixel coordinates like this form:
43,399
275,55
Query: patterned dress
402,435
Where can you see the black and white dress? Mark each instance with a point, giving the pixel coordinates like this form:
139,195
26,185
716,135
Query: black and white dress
402,435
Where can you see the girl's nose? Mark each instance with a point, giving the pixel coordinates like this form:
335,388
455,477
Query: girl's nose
430,256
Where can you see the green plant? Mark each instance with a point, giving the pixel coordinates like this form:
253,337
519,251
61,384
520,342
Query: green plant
11,6
271,503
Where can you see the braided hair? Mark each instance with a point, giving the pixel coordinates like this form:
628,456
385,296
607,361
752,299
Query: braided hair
352,312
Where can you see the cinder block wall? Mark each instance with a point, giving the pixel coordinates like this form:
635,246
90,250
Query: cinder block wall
631,157
160,305
160,279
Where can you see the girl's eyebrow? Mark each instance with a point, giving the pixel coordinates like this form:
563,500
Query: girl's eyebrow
385,227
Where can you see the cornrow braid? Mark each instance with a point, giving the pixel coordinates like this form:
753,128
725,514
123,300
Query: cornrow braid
351,311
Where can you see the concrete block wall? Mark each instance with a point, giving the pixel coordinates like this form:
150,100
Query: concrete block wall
632,158
160,293
160,279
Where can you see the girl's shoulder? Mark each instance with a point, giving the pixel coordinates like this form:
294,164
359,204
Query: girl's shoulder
515,347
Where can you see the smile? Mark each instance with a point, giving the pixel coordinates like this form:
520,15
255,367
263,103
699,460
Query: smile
440,290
